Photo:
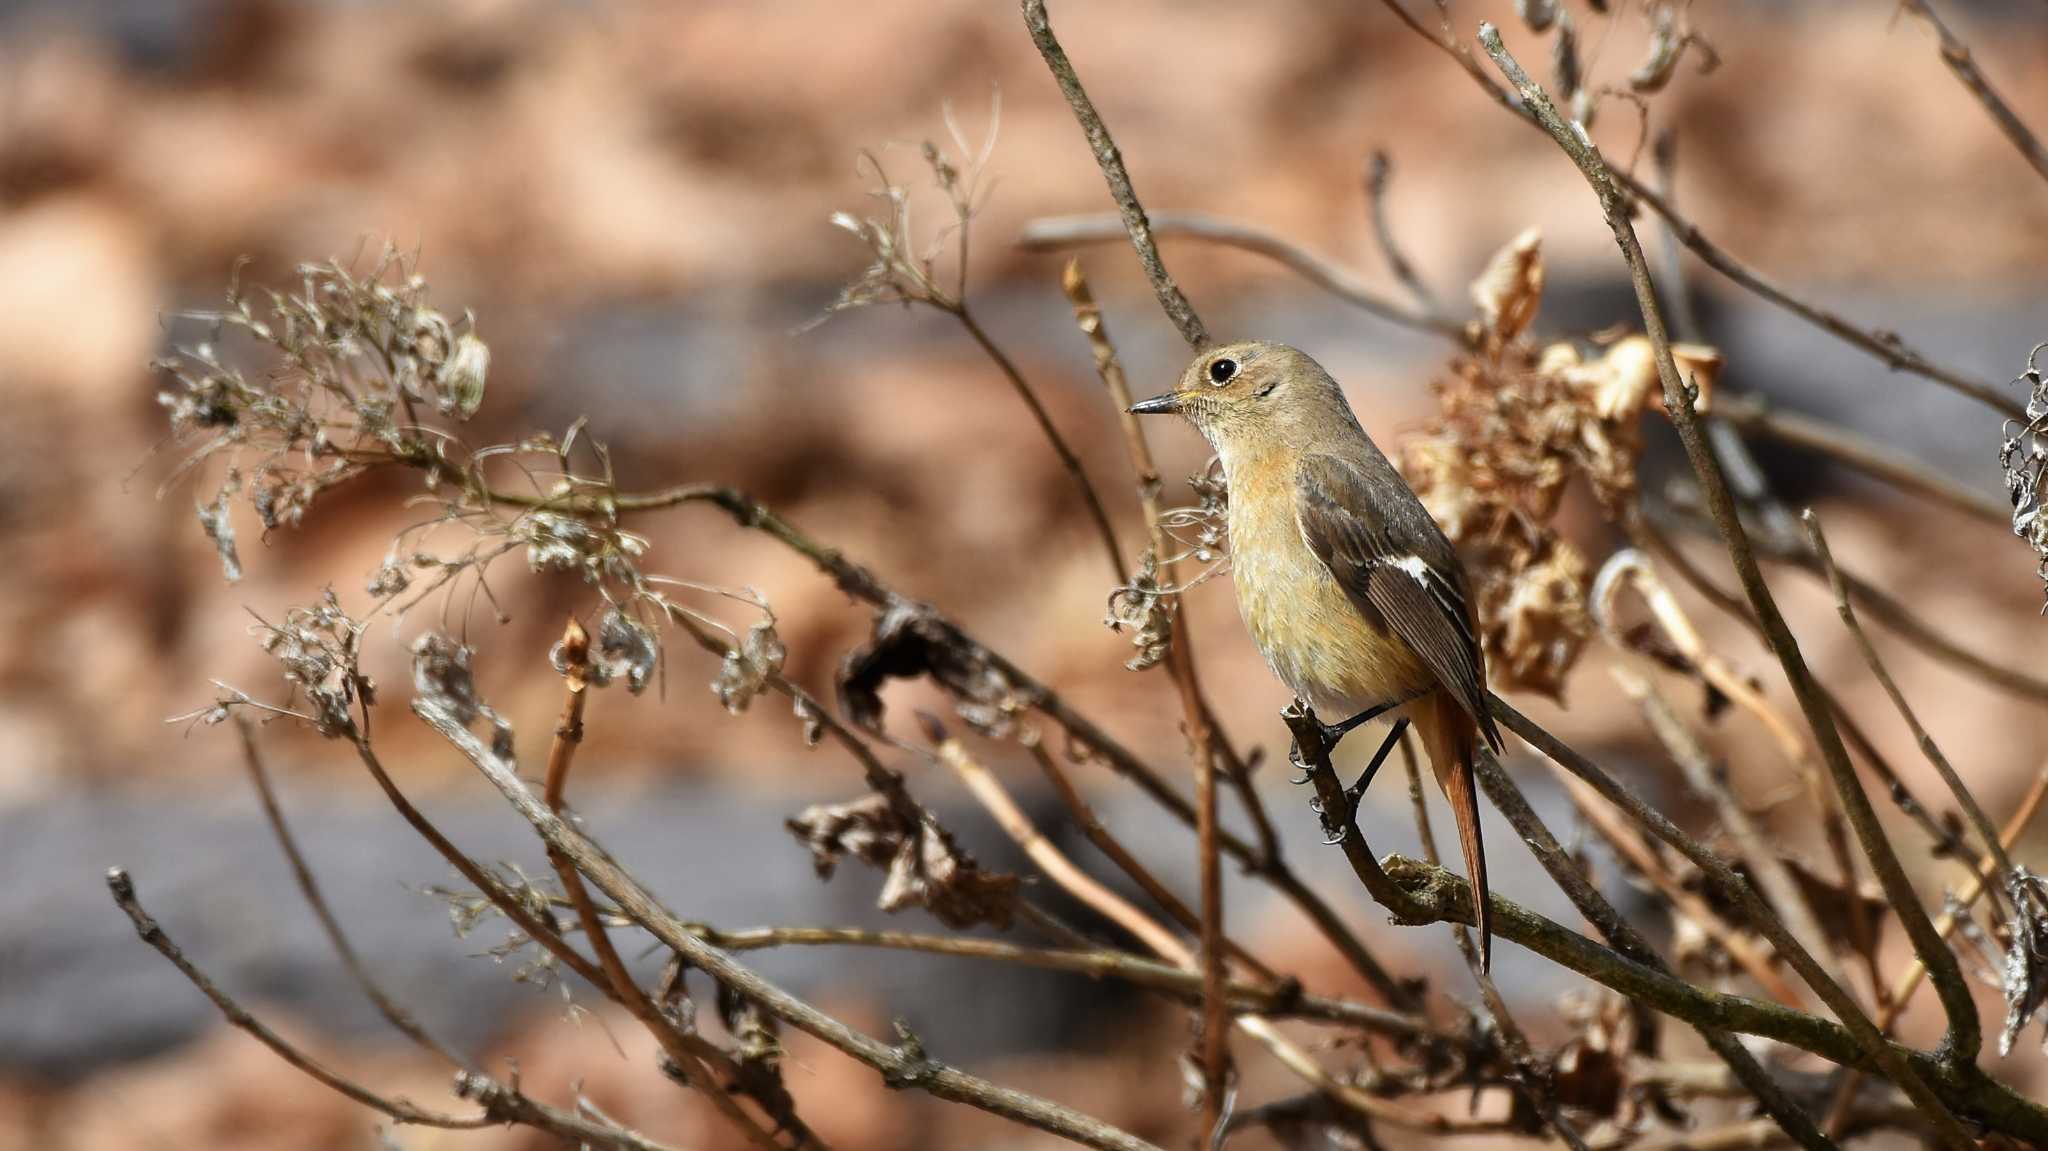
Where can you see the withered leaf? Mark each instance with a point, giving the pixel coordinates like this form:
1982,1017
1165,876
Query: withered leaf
1509,291
922,866
909,641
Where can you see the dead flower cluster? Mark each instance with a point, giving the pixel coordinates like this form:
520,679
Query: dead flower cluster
1518,423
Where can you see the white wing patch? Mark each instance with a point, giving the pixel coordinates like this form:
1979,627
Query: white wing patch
1414,566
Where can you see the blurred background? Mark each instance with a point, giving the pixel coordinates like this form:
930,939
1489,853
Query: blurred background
633,200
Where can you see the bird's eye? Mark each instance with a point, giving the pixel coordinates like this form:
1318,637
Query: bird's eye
1222,371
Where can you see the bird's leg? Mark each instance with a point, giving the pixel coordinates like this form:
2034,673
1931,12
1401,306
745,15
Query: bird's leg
1356,791
1338,731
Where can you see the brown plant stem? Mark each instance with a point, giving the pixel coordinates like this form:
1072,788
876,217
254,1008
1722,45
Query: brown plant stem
1965,1035
862,584
1564,871
1286,1001
1986,830
507,1105
686,1052
392,1011
1341,826
1379,174
1530,1075
1195,714
1915,974
903,1065
1759,915
1758,416
1956,54
1171,299
1091,825
1649,539
1180,653
1439,896
399,1110
1215,1053
1769,870
1630,846
1051,233
1057,867
1068,460
1886,347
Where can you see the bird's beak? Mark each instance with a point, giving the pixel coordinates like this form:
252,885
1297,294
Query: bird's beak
1167,404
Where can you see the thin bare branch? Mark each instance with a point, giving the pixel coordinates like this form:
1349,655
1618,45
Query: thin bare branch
1956,54
1099,963
1887,347
1171,299
1758,416
902,1065
1097,513
507,1105
392,1011
1440,896
1379,174
1965,1034
1056,232
1986,831
686,1051
400,1111
1199,721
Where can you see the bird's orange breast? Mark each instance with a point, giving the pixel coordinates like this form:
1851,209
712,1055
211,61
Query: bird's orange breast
1314,638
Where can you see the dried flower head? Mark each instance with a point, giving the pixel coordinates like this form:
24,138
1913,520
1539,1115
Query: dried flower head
748,665
902,268
2024,459
318,648
1517,425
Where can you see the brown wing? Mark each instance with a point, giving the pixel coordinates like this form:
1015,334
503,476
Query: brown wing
1396,566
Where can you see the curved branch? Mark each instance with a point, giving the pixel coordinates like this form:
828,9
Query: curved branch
1054,232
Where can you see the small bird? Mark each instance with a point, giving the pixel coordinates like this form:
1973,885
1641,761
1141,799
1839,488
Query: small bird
1348,587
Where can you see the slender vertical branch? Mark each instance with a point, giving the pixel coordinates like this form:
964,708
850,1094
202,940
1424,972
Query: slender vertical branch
1068,460
389,1008
1379,173
1180,654
1175,304
1530,1076
1171,299
685,1051
1199,721
1965,1034
1986,831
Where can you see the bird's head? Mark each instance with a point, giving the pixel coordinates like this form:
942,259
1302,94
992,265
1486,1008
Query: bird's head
1252,396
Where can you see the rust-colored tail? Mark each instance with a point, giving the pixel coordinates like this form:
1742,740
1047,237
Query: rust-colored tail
1452,739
